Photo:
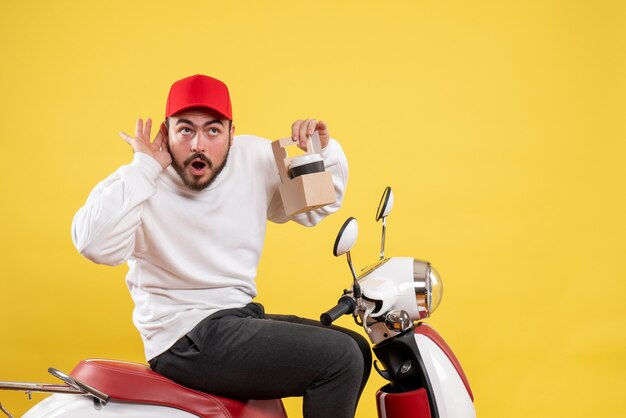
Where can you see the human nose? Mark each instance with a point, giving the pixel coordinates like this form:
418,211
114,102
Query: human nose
198,143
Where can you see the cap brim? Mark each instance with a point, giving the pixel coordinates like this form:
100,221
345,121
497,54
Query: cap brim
197,105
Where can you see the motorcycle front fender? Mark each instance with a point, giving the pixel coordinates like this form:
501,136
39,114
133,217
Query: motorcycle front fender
448,383
426,379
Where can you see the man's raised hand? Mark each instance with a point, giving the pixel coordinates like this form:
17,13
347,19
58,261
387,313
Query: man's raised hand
157,149
302,129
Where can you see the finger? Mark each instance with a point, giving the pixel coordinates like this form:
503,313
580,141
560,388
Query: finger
147,129
295,130
129,139
304,132
312,126
322,127
139,128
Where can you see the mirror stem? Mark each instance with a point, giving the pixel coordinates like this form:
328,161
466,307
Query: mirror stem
356,287
382,241
351,266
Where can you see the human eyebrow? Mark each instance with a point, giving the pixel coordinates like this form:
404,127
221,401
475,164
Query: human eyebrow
211,122
188,122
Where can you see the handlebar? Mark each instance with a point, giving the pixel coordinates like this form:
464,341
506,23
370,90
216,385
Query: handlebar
344,306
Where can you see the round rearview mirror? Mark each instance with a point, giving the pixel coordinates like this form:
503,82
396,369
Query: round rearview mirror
385,205
346,237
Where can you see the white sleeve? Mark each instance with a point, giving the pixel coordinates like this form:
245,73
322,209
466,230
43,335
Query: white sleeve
336,163
103,230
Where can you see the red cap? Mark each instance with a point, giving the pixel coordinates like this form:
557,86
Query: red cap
199,91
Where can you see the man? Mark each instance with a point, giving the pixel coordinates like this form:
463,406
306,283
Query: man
189,214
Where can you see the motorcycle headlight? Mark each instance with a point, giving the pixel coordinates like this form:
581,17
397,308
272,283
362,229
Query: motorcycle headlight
436,289
428,288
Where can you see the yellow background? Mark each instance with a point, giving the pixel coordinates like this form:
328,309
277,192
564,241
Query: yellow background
499,125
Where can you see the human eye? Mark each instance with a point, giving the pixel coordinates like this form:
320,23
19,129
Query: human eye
185,131
214,131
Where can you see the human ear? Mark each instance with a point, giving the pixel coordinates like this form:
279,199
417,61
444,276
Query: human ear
165,133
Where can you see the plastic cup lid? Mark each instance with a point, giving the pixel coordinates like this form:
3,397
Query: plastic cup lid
305,159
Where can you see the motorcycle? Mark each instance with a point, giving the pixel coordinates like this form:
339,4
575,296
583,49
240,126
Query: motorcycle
389,299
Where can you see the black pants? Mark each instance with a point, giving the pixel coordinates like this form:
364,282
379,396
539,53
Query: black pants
244,354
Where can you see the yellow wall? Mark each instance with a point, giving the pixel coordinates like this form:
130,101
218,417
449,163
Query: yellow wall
499,124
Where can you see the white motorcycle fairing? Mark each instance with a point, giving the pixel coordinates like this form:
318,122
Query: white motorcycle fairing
135,390
79,406
450,387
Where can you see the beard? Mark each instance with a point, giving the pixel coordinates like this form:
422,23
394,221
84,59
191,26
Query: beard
189,180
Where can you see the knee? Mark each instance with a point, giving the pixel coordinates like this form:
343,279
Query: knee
363,347
350,357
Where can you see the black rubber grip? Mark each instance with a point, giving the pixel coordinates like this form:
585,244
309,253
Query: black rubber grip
345,305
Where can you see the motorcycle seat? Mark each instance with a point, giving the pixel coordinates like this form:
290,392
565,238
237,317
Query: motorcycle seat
137,383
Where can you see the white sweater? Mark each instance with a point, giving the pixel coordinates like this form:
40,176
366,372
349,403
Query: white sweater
190,253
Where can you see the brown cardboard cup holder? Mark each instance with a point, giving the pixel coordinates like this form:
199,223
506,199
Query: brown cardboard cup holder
304,183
